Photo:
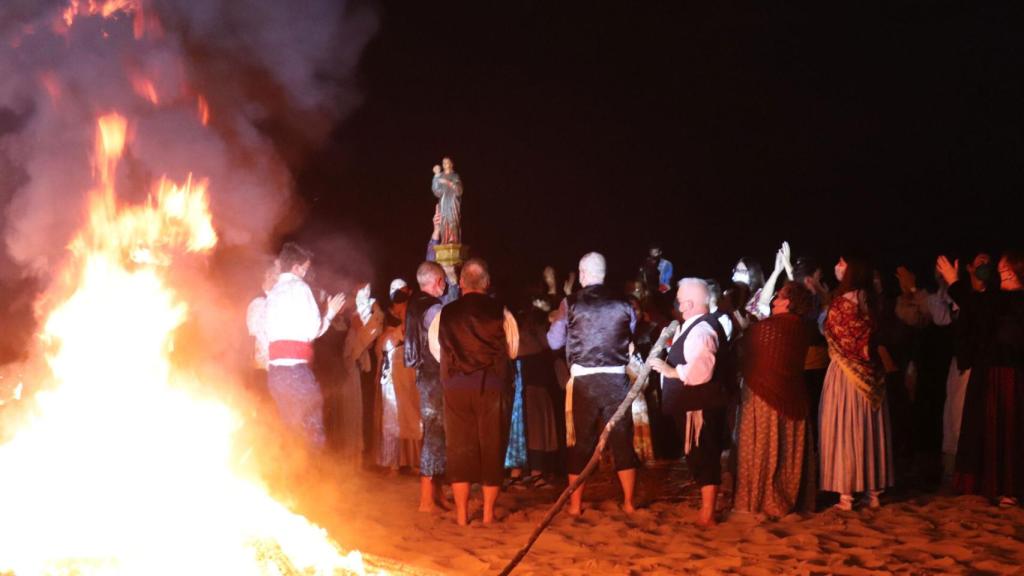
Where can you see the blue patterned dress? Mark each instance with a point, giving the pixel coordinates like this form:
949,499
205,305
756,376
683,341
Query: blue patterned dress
515,456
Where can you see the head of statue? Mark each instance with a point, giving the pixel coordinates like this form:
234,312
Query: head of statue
447,164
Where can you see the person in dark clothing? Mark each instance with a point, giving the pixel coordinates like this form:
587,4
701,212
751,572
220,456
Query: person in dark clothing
423,307
808,272
540,387
474,339
990,458
596,325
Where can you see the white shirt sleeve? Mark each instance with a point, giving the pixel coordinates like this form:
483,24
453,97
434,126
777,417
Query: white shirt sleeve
256,316
312,320
940,308
292,312
511,335
434,338
699,349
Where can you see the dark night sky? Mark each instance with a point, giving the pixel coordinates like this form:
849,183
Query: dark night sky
719,129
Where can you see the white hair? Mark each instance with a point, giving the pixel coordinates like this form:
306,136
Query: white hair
593,266
699,284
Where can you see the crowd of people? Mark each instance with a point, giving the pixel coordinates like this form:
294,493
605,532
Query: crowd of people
778,391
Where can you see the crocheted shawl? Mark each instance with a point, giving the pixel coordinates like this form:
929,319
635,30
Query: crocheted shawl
774,363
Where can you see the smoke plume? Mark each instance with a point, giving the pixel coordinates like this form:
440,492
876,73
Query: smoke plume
225,90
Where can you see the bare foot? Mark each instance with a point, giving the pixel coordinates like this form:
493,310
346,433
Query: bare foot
706,522
427,508
628,508
706,518
575,511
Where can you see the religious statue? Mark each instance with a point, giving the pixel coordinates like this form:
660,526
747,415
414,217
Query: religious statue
447,187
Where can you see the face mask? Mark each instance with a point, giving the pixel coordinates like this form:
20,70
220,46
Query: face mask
985,272
741,277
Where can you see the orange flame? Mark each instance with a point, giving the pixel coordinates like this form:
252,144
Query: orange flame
144,87
204,110
106,9
51,85
119,469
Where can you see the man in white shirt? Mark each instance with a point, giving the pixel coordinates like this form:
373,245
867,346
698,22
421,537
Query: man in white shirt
256,321
693,396
293,322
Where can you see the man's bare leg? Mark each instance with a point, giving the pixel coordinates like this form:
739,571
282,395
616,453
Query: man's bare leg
490,497
627,478
708,497
576,498
426,494
460,491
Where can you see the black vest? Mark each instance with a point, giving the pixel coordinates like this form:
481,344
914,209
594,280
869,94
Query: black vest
598,328
417,349
472,337
676,356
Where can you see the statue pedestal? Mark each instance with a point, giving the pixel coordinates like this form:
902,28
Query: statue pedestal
451,254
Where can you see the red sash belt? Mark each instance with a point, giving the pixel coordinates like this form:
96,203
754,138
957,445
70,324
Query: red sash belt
291,350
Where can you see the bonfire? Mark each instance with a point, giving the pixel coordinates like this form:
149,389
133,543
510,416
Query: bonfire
120,468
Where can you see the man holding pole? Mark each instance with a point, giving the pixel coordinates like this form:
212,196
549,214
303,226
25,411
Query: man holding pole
596,326
693,391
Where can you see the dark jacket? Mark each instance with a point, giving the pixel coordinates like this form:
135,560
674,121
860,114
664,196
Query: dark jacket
417,348
599,328
472,337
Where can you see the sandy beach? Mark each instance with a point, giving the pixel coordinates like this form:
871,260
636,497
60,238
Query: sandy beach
912,534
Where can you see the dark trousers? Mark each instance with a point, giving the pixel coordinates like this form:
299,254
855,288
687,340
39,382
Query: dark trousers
299,401
477,412
594,399
704,459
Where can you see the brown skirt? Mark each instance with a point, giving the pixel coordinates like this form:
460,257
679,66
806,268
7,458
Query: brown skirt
771,458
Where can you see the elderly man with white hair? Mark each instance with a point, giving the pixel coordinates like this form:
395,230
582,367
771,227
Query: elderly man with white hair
595,325
693,391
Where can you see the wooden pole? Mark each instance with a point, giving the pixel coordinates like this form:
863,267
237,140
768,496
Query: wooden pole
595,458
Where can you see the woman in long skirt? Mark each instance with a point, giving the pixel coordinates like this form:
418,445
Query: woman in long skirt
774,411
855,444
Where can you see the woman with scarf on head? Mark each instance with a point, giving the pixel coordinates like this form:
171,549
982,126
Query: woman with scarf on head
398,432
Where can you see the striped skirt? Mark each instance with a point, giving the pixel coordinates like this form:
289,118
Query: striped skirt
855,445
